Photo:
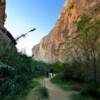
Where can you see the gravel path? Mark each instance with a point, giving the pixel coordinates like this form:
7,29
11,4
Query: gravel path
55,93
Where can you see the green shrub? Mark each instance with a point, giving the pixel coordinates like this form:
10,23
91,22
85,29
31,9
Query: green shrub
90,91
7,74
43,92
72,71
80,97
57,67
40,68
16,71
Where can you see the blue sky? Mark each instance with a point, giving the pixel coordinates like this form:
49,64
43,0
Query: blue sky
23,15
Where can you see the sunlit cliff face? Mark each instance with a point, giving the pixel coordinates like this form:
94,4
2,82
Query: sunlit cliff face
2,12
52,47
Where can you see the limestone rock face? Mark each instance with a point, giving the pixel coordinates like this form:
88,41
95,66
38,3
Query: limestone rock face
52,47
2,11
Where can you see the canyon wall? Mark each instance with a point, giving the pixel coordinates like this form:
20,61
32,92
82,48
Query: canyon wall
2,11
5,36
53,47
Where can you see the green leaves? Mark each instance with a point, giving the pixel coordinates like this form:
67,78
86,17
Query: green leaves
89,41
16,71
83,23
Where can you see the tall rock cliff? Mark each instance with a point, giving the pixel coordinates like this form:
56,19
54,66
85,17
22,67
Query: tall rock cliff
5,36
2,11
52,47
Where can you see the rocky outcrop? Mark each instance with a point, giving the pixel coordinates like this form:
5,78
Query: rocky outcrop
52,47
2,11
5,36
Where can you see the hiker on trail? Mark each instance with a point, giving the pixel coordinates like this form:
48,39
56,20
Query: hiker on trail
49,73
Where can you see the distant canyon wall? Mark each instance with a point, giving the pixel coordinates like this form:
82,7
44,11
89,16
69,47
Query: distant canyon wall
52,47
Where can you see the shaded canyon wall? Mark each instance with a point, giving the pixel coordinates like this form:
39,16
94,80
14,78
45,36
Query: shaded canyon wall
2,11
5,36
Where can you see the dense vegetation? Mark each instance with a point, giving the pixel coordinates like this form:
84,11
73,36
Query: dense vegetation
17,70
84,67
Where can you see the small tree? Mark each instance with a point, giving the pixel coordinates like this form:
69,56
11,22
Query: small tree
89,42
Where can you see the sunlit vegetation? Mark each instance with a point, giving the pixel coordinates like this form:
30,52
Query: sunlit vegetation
83,71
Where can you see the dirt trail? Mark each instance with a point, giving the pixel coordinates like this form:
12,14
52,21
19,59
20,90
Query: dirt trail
55,93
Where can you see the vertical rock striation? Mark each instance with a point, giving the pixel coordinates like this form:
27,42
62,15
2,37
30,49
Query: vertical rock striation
52,47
